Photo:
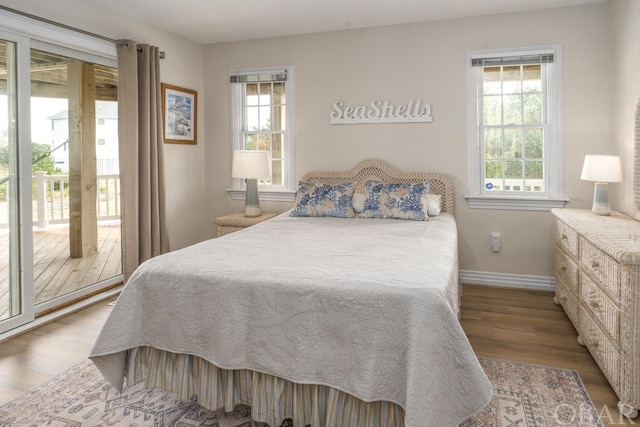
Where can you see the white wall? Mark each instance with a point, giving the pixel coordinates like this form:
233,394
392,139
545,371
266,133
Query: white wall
625,16
398,63
424,61
183,66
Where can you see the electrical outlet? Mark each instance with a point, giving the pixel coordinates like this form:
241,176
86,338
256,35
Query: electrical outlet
495,241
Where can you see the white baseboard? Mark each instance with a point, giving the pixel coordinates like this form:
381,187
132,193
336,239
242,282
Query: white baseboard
508,280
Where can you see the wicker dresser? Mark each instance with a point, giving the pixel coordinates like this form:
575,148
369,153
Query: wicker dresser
237,221
597,272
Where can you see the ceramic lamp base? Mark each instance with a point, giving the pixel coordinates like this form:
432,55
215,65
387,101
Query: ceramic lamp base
251,202
601,204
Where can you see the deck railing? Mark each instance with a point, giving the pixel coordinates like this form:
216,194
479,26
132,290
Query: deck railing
51,200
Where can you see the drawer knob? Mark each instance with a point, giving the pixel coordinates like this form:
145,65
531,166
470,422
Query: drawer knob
594,303
564,236
595,264
593,341
563,268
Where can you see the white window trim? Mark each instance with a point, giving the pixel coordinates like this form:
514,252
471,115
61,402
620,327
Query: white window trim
279,193
553,198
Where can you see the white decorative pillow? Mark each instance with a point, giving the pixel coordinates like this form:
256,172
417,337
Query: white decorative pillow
324,200
358,202
434,204
398,201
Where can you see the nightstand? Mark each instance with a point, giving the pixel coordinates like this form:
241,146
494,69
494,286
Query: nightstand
237,221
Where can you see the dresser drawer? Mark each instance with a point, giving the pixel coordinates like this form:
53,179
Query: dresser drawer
601,306
567,237
603,351
568,300
604,269
567,269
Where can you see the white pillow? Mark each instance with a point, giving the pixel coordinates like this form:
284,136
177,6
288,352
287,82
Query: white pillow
434,204
358,202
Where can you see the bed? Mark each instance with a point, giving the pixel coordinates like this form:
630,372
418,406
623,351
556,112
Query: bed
327,321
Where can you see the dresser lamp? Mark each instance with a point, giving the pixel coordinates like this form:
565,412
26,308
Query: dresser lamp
251,165
602,170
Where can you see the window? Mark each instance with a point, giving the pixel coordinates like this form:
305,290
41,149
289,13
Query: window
262,119
514,146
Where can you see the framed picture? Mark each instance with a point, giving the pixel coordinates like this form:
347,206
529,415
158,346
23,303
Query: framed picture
179,115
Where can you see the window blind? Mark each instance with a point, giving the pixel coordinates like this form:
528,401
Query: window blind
260,77
545,58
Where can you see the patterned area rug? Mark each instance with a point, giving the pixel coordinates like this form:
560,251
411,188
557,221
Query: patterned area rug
530,395
524,396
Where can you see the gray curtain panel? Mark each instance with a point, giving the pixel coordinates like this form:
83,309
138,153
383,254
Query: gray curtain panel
144,229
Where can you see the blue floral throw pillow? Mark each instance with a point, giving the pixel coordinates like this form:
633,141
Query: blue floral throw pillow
324,200
398,201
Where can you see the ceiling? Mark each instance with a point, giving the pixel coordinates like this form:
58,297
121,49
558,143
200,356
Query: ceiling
213,21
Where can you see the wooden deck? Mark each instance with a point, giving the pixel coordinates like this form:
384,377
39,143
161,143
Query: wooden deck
55,273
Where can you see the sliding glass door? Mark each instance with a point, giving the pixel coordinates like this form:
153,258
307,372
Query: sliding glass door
60,239
15,305
75,167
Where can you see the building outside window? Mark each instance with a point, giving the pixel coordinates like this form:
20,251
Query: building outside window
106,138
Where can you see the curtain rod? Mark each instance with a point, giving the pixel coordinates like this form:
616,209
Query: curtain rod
58,24
68,27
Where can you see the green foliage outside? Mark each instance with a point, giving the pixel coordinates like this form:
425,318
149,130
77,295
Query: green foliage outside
40,157
513,126
41,161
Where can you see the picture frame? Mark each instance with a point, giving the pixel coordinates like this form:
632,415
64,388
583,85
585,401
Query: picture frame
179,115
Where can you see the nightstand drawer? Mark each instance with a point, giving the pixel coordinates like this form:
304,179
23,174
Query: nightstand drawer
567,238
225,229
238,221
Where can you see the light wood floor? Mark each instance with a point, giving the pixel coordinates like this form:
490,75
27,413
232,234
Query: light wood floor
31,358
527,326
512,324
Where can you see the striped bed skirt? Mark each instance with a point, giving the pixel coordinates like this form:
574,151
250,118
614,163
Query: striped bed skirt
272,399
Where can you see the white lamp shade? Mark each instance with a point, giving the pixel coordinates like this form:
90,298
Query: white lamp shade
601,168
251,164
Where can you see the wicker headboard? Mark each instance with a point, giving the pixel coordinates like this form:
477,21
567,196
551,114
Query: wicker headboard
379,170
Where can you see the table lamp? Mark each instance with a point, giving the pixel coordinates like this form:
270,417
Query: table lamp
602,170
251,165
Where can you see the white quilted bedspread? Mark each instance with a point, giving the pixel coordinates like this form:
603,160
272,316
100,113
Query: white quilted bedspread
367,306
